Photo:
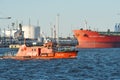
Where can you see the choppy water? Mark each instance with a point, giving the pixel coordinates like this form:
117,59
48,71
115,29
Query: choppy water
91,64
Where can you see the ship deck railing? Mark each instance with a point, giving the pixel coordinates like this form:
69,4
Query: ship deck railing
110,33
66,48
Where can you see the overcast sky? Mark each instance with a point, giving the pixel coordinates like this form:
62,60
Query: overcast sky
99,14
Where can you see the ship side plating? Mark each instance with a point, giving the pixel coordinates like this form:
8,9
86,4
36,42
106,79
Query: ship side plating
93,39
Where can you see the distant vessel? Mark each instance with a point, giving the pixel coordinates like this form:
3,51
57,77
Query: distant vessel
16,46
47,51
94,39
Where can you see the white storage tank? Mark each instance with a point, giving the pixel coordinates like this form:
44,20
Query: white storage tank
8,33
31,32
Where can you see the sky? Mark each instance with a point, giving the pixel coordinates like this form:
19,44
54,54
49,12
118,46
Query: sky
99,14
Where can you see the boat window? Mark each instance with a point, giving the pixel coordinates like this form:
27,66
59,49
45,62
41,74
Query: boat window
66,48
81,29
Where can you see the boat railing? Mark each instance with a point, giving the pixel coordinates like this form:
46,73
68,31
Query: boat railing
66,48
110,33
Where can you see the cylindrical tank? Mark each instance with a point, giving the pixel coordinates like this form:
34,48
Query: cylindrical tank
31,32
9,33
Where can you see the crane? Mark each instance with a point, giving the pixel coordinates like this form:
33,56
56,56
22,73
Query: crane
5,17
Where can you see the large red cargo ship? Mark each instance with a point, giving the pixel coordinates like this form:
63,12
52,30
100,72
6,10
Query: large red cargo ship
94,39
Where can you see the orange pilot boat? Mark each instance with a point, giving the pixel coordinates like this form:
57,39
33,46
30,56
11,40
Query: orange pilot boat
94,39
47,51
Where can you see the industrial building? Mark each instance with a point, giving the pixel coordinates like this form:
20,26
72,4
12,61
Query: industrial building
31,32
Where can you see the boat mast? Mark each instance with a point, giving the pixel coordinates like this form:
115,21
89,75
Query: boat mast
85,24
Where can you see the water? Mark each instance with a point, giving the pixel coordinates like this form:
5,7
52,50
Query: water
91,64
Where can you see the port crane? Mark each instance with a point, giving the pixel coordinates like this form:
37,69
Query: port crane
0,28
5,17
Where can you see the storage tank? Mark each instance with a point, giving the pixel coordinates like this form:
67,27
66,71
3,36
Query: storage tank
31,32
8,33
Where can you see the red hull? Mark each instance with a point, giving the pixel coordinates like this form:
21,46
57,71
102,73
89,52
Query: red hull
47,51
92,39
59,55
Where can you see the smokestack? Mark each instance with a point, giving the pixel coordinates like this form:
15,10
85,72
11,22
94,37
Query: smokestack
20,27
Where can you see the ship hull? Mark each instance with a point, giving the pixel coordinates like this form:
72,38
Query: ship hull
92,39
98,45
41,52
57,55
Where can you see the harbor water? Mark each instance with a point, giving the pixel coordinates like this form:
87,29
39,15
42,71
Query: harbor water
91,64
